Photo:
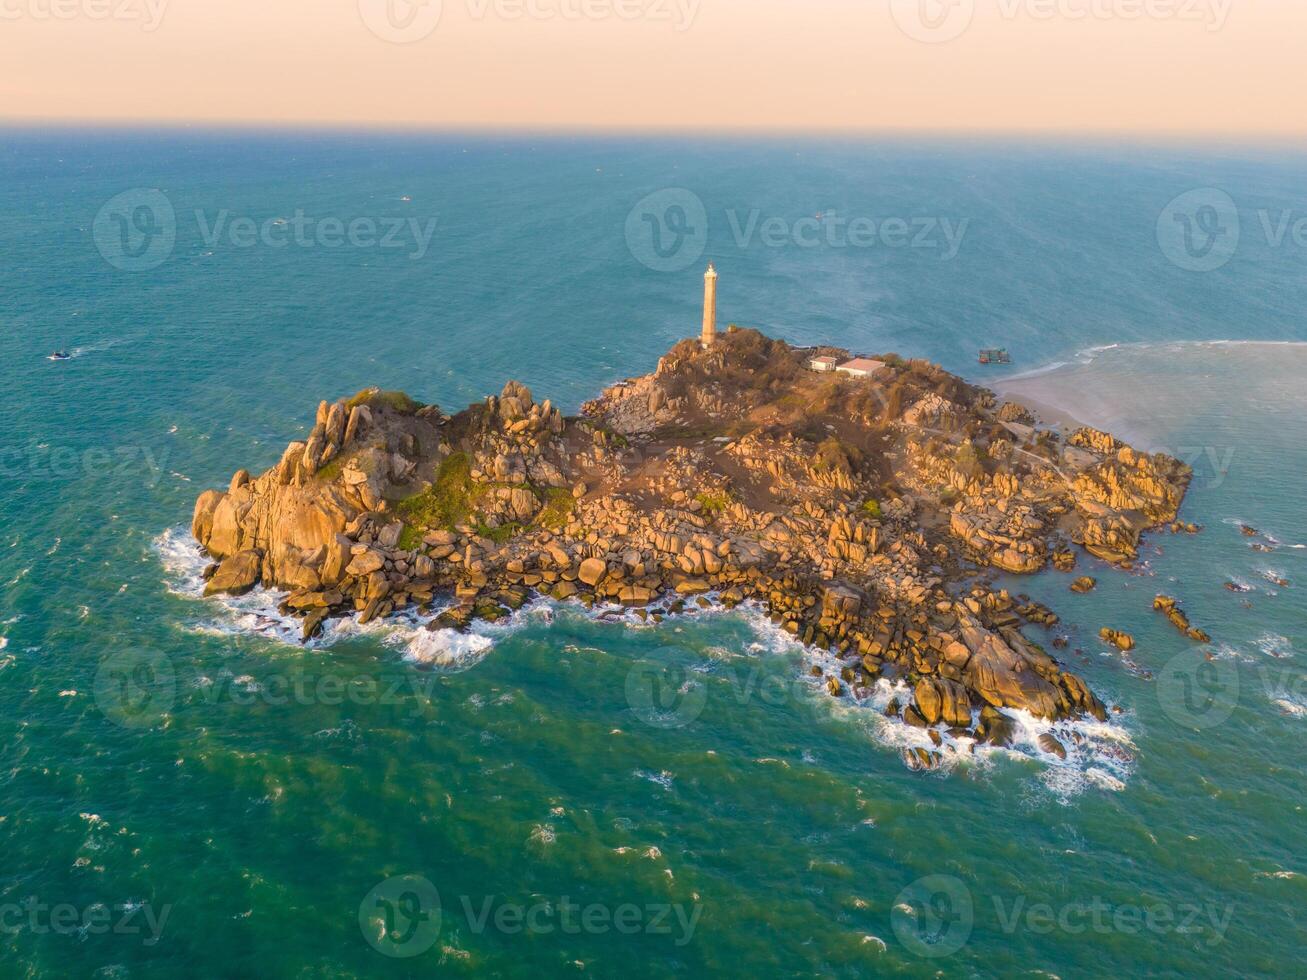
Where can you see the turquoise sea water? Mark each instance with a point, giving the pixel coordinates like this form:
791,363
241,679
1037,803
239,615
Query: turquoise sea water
589,797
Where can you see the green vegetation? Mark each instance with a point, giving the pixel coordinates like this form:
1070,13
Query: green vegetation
396,400
828,398
613,438
454,498
557,510
894,402
971,459
687,432
499,535
792,402
714,503
449,501
410,538
872,509
832,454
332,470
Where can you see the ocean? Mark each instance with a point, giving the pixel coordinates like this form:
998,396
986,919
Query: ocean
189,791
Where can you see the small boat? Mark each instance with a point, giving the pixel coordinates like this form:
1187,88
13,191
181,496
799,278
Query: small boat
60,355
995,355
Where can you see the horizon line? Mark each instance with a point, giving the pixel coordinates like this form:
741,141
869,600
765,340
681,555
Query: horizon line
1251,139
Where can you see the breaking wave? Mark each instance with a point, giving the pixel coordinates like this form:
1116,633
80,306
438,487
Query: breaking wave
257,614
1098,754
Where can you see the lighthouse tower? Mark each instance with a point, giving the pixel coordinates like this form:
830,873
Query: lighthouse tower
709,306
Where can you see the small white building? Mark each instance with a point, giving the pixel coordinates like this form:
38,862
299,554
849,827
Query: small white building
862,367
823,364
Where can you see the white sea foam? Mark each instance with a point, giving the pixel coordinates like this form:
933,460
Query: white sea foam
1099,754
1293,705
1274,645
1282,875
94,348
257,614
1268,536
663,779
447,649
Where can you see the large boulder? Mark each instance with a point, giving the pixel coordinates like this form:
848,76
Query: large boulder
592,571
365,564
1002,677
236,575
337,558
202,521
939,699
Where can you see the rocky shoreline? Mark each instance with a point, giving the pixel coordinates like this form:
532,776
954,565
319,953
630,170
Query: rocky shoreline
863,514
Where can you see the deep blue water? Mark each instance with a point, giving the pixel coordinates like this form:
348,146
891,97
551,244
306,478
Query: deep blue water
524,777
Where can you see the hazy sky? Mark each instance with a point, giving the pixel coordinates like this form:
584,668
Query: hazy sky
1151,66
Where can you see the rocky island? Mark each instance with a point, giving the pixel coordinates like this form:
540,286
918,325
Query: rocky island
863,510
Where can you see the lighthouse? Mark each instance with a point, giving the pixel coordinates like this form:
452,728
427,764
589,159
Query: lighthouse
709,306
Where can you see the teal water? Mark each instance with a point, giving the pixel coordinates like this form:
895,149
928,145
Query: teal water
235,804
